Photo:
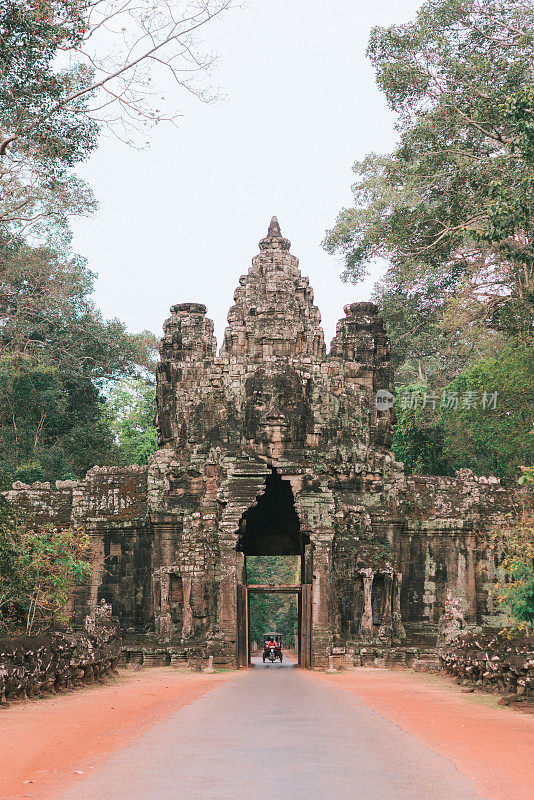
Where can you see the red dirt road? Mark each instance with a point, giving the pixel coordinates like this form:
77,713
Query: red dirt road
47,744
492,745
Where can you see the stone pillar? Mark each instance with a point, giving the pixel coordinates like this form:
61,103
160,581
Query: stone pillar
396,606
367,616
307,564
321,603
470,588
241,568
162,612
98,561
320,589
168,536
187,622
388,588
227,594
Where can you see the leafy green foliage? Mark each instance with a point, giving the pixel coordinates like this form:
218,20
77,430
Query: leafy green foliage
273,612
39,569
46,311
499,441
418,438
481,420
58,353
45,136
30,472
451,207
31,33
515,543
528,474
47,428
131,409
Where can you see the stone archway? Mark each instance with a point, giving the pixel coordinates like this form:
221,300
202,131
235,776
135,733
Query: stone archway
271,526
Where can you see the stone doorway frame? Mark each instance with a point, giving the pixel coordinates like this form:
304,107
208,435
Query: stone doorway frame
304,612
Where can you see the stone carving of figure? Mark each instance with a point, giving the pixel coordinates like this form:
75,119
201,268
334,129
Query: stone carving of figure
452,621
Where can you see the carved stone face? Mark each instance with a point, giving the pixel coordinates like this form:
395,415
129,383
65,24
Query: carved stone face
277,414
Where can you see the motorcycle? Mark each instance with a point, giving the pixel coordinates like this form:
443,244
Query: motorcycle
272,647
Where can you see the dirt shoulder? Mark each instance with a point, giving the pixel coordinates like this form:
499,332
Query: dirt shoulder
46,744
490,744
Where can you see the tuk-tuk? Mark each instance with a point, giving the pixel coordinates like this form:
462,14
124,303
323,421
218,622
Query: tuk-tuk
272,647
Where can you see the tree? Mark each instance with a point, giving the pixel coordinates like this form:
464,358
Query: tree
70,66
492,436
57,355
482,419
273,612
46,311
32,408
36,179
39,569
131,408
451,207
418,436
426,346
50,428
514,542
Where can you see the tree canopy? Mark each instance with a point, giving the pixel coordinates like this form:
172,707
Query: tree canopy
41,137
69,67
451,208
131,410
57,355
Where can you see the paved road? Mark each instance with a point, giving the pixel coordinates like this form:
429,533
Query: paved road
275,732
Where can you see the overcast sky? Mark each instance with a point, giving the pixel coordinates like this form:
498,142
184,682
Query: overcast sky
181,221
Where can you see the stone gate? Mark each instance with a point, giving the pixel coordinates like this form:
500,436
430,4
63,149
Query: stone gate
276,446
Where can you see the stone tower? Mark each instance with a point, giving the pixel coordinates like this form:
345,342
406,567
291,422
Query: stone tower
277,447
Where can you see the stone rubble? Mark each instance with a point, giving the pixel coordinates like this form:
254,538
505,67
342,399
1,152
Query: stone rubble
492,661
51,662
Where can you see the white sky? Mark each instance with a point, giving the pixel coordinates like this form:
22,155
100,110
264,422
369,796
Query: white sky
181,221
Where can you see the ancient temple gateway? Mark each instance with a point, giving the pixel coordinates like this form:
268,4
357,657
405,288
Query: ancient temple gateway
276,446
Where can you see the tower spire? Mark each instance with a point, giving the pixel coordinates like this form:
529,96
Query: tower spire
274,239
274,228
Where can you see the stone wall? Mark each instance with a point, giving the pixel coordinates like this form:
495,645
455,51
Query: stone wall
111,506
445,544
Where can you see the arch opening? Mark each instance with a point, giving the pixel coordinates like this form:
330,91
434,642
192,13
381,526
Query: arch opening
274,558
272,526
